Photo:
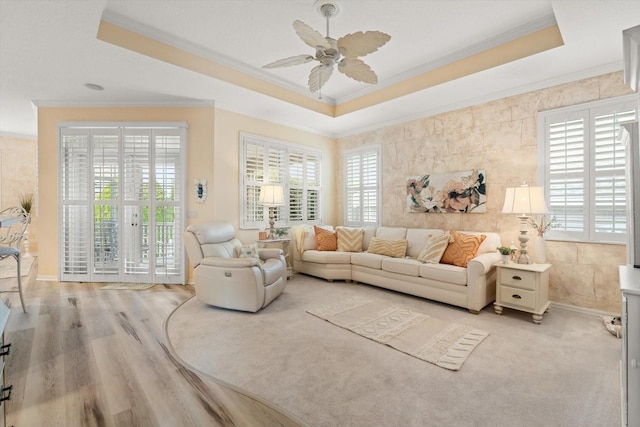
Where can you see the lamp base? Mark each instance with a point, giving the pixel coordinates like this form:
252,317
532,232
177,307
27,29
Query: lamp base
272,229
523,257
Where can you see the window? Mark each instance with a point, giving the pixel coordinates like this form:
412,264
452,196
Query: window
295,167
583,169
362,186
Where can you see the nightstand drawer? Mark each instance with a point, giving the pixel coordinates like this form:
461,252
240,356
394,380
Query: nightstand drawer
519,297
518,278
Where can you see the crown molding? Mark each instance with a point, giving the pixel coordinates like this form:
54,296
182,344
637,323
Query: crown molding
110,104
543,84
18,136
145,30
502,38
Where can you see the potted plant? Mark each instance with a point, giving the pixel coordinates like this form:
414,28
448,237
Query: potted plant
26,202
506,252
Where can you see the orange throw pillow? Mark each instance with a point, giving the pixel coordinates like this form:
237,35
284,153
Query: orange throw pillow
325,240
462,248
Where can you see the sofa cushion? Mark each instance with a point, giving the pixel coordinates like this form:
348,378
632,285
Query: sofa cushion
366,259
489,244
417,237
406,266
349,239
444,273
391,233
308,236
462,249
369,232
388,247
325,239
327,257
434,248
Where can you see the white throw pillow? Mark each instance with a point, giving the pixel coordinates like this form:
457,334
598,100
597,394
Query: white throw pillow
434,248
247,251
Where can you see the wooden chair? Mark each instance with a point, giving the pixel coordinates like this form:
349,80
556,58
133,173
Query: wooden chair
10,238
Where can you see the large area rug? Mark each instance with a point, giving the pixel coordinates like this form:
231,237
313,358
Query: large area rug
444,344
562,372
8,267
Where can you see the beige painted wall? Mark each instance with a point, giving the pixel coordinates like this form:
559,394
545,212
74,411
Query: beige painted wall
225,201
500,137
212,155
18,175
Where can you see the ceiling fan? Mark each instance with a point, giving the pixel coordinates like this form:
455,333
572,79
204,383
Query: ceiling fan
343,52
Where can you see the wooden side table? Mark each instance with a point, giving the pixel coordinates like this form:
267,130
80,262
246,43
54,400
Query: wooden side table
284,244
523,287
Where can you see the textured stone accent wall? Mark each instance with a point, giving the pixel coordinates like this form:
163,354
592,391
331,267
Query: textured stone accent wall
500,137
18,175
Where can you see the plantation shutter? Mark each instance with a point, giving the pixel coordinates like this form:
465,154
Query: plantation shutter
584,170
609,175
312,190
265,161
253,212
567,178
75,237
121,202
362,187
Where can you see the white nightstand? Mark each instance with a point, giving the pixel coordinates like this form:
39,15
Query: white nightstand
523,287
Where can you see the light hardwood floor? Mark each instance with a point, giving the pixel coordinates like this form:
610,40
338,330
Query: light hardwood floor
82,356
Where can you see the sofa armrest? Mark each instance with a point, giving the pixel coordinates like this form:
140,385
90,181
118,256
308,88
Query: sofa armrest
267,253
230,262
481,281
482,263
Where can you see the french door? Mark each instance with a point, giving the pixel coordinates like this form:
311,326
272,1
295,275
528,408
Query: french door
122,202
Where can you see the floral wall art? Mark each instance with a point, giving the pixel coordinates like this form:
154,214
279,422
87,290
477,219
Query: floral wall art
458,192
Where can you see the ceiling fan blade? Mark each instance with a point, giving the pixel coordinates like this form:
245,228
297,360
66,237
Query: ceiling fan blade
361,44
319,76
292,60
309,35
357,70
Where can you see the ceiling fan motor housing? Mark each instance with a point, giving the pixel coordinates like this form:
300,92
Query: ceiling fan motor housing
328,57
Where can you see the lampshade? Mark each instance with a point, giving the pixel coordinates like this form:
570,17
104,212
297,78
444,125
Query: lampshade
271,195
525,200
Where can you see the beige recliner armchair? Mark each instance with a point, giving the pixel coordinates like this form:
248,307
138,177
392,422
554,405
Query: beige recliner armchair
225,280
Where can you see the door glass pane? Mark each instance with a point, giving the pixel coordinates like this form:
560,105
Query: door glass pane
106,259
75,240
136,167
168,259
135,242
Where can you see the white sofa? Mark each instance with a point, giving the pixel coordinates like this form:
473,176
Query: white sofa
472,287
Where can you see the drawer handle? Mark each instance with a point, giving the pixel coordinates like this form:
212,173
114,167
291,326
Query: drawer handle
5,349
4,395
517,278
516,296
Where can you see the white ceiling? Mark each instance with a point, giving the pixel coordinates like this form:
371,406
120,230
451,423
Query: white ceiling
49,50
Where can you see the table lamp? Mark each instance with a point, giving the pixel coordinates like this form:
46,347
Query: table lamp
271,196
524,201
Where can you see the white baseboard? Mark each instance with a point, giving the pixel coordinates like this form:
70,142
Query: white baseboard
582,310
